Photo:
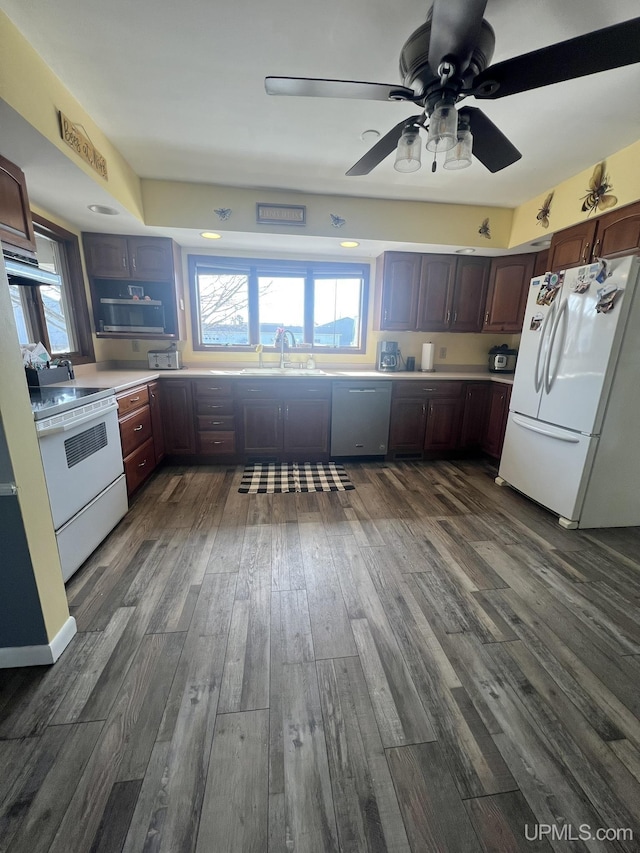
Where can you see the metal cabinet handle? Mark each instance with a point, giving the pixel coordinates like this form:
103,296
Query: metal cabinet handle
124,261
133,399
214,406
218,442
585,252
215,423
142,464
424,408
486,317
213,388
428,389
595,248
138,428
448,317
133,263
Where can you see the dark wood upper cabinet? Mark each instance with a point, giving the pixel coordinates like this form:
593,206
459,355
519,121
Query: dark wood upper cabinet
507,295
611,235
398,287
437,275
469,294
618,232
16,227
541,263
130,258
150,258
106,255
572,246
431,293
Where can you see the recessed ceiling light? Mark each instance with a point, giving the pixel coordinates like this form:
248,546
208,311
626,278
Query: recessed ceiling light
544,243
349,244
102,208
211,235
369,135
465,251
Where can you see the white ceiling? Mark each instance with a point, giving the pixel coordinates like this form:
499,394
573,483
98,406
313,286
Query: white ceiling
179,90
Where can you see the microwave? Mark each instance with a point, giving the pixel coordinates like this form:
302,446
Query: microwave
132,315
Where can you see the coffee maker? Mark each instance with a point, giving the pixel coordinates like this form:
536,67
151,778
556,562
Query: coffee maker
387,356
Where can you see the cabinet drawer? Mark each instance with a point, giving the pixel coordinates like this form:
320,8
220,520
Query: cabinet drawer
213,387
215,423
214,406
134,398
214,443
306,389
430,387
139,465
135,429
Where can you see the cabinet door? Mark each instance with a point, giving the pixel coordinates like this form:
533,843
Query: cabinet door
106,255
499,397
507,296
618,233
541,262
443,424
400,284
572,246
155,406
408,418
178,417
436,293
150,258
306,427
262,426
469,294
474,415
16,226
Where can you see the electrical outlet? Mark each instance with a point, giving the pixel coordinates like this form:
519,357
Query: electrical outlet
135,346
442,353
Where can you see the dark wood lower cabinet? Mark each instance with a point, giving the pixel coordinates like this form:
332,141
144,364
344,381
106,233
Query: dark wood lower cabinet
306,428
443,424
496,424
178,417
476,399
262,426
155,407
408,420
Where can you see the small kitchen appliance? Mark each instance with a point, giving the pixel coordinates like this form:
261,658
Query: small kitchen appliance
143,316
387,356
502,359
165,359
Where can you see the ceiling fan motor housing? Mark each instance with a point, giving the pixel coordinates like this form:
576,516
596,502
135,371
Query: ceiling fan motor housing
414,61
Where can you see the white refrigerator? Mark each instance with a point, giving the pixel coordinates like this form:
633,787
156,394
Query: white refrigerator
573,435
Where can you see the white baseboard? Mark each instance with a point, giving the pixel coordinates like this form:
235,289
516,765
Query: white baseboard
39,655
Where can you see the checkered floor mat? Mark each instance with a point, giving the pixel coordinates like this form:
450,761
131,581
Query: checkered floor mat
269,478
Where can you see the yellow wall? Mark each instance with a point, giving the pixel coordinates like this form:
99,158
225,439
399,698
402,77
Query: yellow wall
623,169
22,442
29,86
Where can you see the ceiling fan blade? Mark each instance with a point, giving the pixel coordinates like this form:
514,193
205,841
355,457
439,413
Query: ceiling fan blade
381,149
611,47
490,146
310,87
455,31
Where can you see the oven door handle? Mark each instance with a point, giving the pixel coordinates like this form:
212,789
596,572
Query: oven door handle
96,415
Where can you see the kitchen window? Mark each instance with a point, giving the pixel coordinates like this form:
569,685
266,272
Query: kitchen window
55,315
238,303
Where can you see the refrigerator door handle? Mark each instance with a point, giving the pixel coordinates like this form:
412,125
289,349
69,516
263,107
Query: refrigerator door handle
538,372
570,439
561,318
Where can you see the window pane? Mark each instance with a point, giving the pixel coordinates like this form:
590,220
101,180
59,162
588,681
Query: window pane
55,299
223,305
20,314
336,312
281,304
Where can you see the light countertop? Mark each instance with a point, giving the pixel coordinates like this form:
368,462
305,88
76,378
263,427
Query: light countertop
121,379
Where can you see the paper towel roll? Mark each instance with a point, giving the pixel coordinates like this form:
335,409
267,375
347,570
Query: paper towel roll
427,358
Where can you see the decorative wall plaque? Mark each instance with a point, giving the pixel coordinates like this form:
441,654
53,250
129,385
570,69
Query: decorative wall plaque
82,145
281,214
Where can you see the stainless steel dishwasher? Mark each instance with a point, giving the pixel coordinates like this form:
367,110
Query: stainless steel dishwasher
360,418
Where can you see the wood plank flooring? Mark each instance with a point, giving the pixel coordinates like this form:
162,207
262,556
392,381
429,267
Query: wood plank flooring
426,663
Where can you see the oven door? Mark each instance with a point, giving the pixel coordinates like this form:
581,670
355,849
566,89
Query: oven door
81,455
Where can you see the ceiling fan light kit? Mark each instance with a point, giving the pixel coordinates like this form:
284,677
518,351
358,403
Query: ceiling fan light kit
408,152
448,59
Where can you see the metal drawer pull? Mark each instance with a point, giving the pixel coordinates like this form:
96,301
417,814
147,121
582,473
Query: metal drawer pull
138,428
133,399
362,390
218,442
429,389
215,423
211,388
214,406
142,464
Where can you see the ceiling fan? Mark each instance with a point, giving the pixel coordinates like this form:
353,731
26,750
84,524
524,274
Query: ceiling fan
446,60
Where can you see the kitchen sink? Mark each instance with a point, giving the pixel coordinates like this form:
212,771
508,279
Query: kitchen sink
283,371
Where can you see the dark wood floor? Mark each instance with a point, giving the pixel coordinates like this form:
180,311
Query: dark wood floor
426,663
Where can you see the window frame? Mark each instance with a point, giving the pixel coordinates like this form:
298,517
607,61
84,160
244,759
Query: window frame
255,267
76,293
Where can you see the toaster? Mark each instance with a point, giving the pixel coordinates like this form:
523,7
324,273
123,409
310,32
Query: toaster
165,359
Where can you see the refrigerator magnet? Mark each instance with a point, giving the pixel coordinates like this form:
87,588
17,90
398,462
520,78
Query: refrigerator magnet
607,297
536,321
550,287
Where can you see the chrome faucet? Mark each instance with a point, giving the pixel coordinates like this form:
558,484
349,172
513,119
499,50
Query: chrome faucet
283,336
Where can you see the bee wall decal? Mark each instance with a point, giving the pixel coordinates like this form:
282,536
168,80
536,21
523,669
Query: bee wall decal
598,197
485,229
543,213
